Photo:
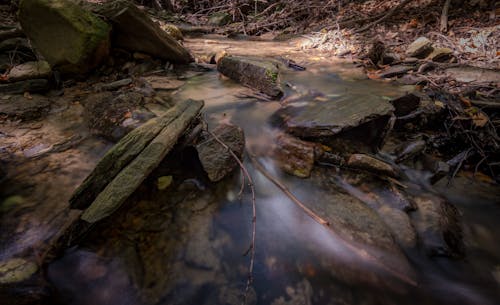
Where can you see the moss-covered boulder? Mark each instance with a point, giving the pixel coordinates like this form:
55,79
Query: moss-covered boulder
257,73
70,38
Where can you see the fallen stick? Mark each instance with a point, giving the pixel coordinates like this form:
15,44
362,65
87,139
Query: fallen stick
360,252
444,17
254,209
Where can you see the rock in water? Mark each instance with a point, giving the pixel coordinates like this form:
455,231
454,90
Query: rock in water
215,159
347,124
133,173
438,226
420,48
133,30
25,109
257,73
294,156
70,38
128,149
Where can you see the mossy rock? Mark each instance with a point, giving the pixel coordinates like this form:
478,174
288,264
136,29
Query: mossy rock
70,38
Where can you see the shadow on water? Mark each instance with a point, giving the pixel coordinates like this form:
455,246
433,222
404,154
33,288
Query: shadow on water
187,246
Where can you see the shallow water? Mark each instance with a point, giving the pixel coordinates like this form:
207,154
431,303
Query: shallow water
189,250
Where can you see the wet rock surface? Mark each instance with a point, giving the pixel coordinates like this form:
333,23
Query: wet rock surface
294,156
31,86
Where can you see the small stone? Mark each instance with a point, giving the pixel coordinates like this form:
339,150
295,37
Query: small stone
420,48
369,163
30,70
440,54
164,182
294,156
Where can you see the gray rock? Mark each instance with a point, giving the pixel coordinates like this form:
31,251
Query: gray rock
347,124
420,48
24,109
215,159
438,224
74,41
371,164
133,30
30,70
397,70
254,72
31,85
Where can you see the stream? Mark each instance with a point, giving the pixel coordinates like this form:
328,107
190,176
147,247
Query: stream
187,244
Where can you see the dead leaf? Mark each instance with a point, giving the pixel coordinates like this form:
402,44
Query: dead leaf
27,95
465,101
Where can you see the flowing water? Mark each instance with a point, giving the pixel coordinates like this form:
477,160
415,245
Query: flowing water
188,246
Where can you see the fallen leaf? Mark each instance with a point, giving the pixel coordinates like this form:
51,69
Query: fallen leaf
164,182
465,101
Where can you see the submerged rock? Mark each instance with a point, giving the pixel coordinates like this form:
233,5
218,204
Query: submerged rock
400,224
30,70
294,156
439,226
420,48
133,30
216,159
257,73
74,41
347,124
20,282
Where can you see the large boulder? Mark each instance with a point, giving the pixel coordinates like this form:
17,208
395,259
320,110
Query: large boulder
70,38
133,30
347,124
257,73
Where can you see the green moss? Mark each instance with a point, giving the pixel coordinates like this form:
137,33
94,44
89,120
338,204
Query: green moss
273,75
16,270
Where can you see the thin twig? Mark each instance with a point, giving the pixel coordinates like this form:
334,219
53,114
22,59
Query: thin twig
254,209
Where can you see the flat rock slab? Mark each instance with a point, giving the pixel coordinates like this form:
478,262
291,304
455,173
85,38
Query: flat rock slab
254,72
29,70
371,164
126,151
474,75
362,119
74,41
21,108
133,30
30,85
216,160
420,48
164,83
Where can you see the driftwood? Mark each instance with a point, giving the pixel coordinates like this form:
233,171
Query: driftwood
124,152
133,174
